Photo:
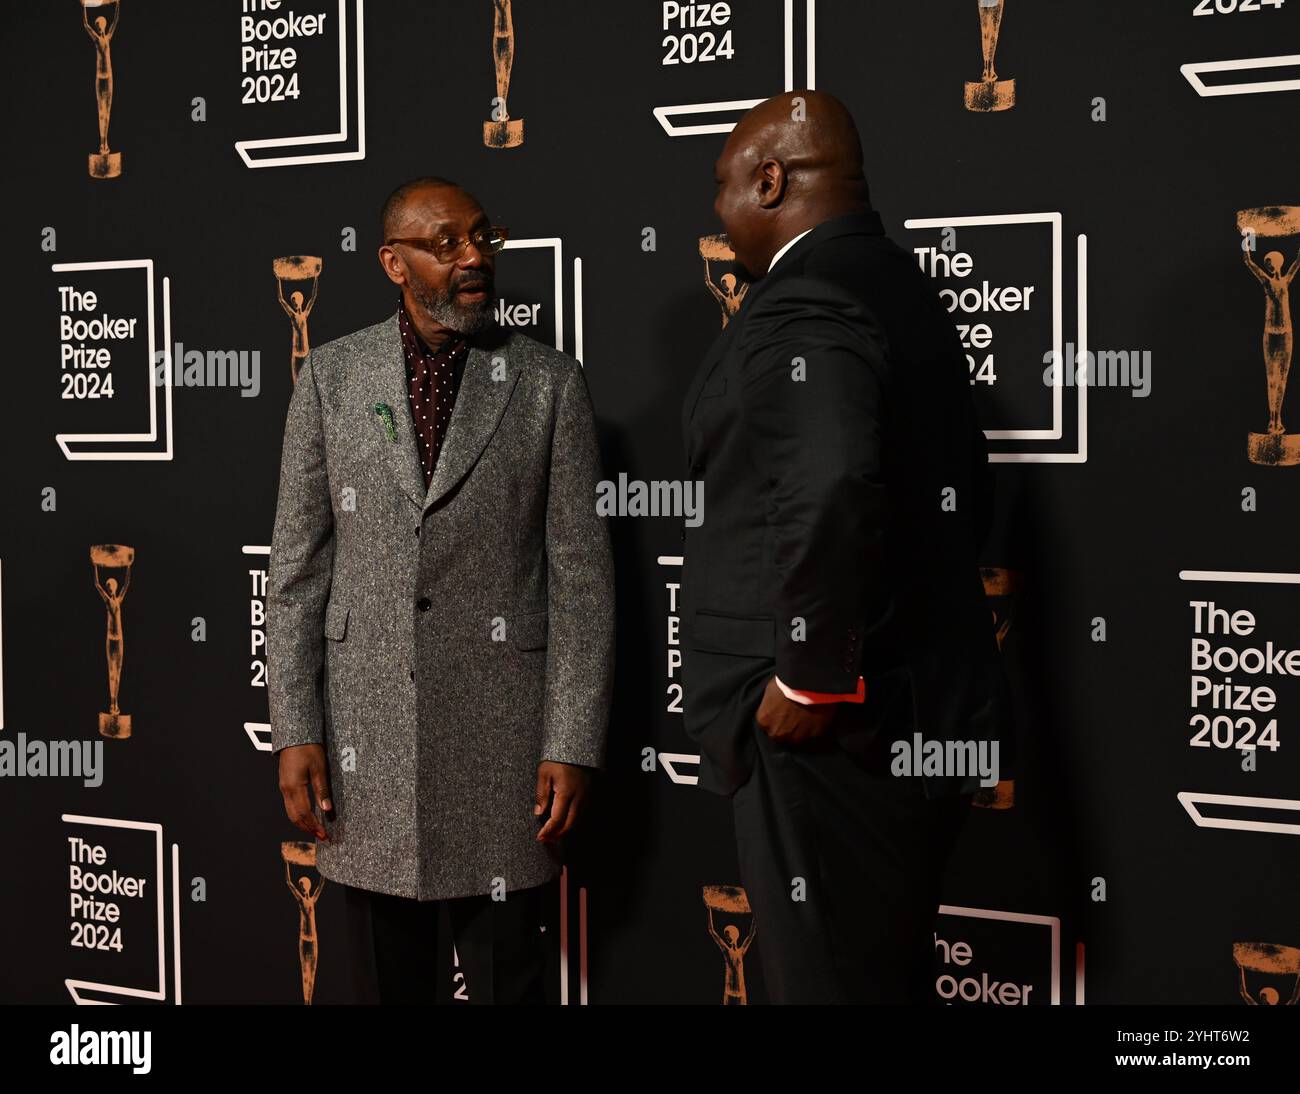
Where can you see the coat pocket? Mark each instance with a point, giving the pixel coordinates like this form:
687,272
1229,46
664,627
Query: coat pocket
529,631
746,636
336,620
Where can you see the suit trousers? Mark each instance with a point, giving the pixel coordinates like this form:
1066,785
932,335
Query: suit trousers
500,946
870,849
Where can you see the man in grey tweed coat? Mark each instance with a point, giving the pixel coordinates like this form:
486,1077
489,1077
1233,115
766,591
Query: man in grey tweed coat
440,617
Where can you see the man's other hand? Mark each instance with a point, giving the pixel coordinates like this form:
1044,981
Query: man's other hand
569,784
790,723
303,768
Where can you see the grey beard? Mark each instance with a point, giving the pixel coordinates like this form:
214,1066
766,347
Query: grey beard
442,309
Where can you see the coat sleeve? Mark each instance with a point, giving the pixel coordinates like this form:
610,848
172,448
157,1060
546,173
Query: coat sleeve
580,588
299,573
813,390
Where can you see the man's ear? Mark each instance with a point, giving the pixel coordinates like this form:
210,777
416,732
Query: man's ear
771,183
391,263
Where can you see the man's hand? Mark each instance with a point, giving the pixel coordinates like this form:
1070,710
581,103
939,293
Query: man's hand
788,722
569,783
303,766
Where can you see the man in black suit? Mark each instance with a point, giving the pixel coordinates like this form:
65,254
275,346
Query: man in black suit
832,602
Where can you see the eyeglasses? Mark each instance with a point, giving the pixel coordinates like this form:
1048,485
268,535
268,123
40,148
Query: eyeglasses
488,241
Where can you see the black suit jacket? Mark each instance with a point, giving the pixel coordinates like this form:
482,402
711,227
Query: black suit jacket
847,493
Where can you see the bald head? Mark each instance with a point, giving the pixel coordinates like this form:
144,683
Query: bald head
397,206
811,133
792,162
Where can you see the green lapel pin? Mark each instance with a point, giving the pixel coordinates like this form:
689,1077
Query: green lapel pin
385,412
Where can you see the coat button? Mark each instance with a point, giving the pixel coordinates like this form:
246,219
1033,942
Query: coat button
413,674
424,603
417,529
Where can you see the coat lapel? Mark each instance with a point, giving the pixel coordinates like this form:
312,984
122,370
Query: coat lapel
402,456
480,403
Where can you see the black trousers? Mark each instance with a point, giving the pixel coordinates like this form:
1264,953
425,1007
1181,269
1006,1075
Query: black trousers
842,863
502,950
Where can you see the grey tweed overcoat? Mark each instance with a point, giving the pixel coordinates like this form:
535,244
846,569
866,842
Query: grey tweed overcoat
439,643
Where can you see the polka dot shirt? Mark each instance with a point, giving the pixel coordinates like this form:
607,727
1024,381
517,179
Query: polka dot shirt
431,385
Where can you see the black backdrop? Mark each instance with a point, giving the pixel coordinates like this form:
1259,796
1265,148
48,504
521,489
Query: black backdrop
1103,870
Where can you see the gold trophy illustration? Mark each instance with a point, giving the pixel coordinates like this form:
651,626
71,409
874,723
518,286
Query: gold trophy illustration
731,900
103,164
1267,960
1277,447
729,291
1001,587
112,588
503,131
990,93
304,854
297,268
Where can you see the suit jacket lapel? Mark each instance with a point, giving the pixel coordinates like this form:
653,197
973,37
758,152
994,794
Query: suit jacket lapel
402,456
480,404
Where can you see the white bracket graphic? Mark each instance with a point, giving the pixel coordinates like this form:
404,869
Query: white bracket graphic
669,761
665,114
339,137
557,274
1190,800
1193,74
259,733
1247,576
66,439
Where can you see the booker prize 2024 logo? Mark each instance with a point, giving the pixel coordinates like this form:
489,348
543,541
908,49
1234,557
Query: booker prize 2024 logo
727,58
118,911
1002,277
299,70
1243,682
997,958
115,386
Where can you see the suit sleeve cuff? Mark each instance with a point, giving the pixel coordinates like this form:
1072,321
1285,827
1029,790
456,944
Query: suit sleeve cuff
808,698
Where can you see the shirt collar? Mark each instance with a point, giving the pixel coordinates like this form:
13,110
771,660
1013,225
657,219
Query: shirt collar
777,257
